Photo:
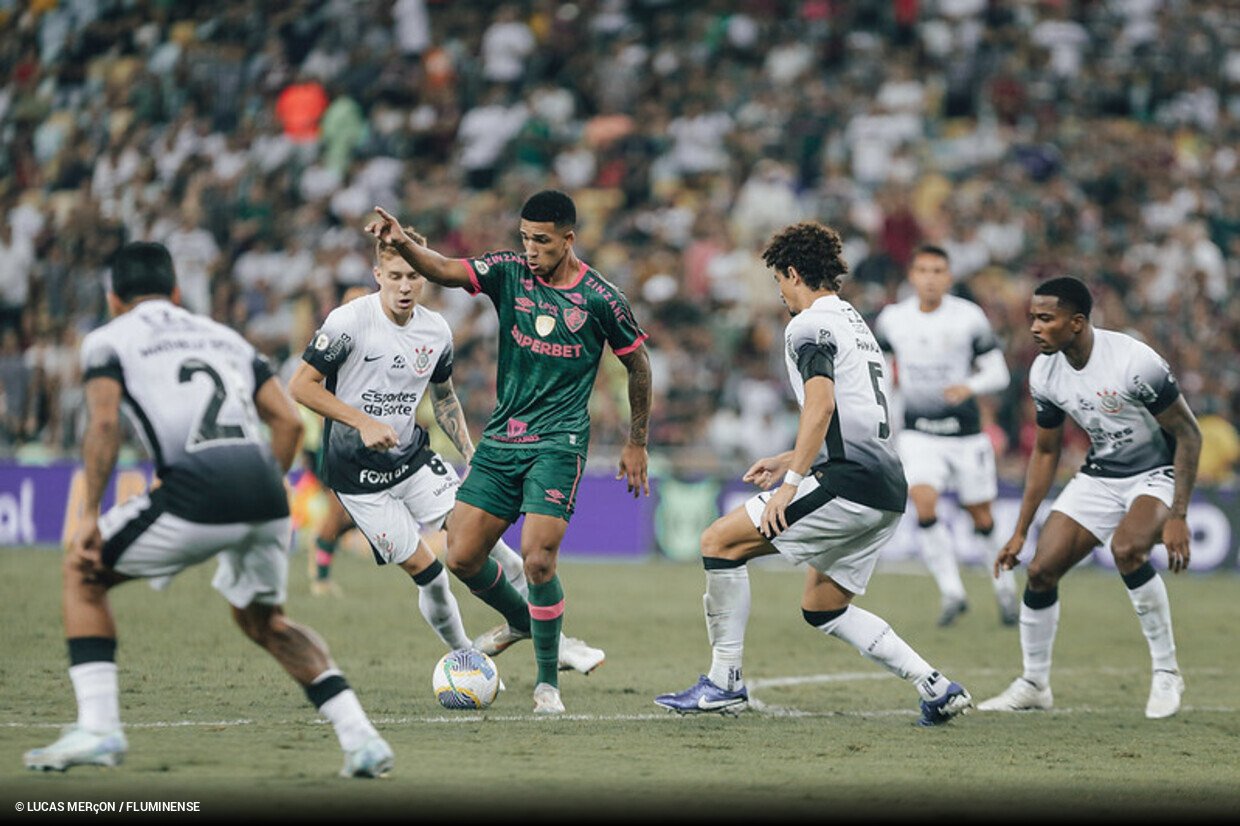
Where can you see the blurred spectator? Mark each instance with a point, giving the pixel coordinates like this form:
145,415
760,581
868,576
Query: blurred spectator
1032,139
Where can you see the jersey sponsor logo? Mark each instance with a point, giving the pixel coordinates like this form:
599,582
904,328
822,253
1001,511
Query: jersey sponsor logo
939,427
369,477
1110,402
422,360
523,304
399,363
546,348
574,318
543,325
380,403
517,433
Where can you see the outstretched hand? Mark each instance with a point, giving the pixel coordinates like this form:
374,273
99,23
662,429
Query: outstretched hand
387,229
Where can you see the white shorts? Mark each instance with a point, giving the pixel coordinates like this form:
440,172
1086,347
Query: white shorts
1098,504
838,537
965,464
394,519
140,540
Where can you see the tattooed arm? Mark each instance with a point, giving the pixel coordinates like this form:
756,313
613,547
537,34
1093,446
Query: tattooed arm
634,459
450,417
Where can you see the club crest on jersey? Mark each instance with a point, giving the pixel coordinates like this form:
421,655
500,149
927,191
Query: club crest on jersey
543,325
481,267
1109,401
574,317
421,360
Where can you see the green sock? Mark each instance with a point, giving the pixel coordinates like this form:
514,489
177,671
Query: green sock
323,557
492,587
546,619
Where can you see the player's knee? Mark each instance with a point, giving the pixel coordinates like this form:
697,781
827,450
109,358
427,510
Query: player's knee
1042,577
713,542
261,623
1129,553
539,564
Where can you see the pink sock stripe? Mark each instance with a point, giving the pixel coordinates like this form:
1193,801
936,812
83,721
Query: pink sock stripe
547,612
322,557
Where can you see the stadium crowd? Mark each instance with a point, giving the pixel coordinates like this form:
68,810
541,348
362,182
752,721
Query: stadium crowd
1029,139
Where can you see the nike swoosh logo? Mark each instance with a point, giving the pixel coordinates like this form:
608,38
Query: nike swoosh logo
371,358
711,705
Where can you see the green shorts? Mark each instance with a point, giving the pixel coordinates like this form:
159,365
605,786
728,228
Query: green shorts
509,481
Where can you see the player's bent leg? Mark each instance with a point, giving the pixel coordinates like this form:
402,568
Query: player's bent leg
827,606
472,533
726,546
1131,544
938,554
1062,543
991,543
304,655
540,543
435,599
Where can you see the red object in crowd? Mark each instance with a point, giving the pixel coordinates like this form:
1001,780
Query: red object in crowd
300,107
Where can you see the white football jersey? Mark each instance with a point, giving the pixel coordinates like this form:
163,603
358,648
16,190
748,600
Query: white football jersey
189,386
382,369
858,460
1114,398
934,351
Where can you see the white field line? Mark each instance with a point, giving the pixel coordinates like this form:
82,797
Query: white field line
754,703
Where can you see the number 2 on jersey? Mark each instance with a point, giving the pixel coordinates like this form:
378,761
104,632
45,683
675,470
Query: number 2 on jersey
876,374
209,428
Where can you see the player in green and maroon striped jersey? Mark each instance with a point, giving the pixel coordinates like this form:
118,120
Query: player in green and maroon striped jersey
556,314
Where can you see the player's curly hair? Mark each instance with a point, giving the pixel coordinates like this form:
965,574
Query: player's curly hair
814,249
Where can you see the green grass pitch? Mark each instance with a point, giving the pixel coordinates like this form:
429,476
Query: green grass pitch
210,718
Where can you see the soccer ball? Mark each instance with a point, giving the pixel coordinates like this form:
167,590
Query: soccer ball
465,678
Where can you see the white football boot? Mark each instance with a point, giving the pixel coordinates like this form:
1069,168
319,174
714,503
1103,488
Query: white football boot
1165,691
373,758
547,699
1021,695
577,656
79,747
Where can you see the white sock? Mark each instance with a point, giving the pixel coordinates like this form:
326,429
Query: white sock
727,613
874,638
1154,611
439,607
344,712
98,696
513,565
1005,583
940,558
1037,638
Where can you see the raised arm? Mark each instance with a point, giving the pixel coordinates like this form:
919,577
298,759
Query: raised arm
447,272
633,458
450,417
1179,421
